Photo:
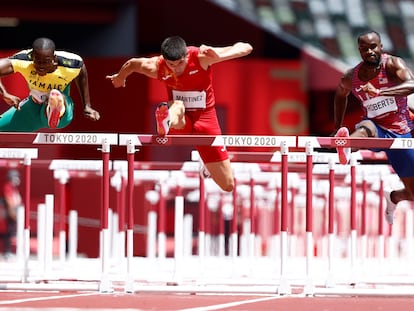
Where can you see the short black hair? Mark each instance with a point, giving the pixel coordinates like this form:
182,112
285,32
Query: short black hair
368,31
174,48
43,44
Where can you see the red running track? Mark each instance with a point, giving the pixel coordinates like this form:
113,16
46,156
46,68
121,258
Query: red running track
71,301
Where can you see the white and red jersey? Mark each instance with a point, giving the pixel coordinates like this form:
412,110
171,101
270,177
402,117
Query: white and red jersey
388,112
193,86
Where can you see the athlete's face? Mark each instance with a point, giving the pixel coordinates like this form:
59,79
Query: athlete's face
177,66
370,48
44,61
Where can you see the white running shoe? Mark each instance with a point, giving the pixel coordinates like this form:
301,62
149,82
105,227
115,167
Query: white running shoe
55,108
162,116
390,208
204,172
343,153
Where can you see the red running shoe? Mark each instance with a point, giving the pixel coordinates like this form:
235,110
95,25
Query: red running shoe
162,116
343,153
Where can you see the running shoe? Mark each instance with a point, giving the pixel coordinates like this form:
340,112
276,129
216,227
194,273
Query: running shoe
162,116
343,153
204,172
390,208
55,108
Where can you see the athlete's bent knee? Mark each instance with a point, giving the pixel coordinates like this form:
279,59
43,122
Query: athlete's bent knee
228,187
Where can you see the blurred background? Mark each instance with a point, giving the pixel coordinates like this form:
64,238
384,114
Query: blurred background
285,87
301,49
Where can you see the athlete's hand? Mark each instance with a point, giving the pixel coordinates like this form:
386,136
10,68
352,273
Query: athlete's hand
208,51
12,100
370,89
91,113
116,80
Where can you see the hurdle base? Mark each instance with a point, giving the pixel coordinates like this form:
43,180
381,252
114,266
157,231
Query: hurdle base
105,286
309,288
284,287
129,285
330,281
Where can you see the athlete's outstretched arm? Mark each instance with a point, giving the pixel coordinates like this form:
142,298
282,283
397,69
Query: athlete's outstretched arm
210,55
143,65
6,69
399,72
83,86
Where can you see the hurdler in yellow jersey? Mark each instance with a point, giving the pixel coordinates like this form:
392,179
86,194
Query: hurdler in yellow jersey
49,74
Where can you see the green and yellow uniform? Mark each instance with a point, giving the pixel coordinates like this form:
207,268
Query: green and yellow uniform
31,116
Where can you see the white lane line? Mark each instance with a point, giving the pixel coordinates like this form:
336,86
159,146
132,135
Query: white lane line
231,304
62,309
15,301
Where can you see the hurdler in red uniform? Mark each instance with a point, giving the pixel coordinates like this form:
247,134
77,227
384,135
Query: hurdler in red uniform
187,74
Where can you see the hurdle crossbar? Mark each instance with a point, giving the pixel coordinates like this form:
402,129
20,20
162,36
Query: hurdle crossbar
58,138
357,142
264,141
207,140
18,153
202,140
105,140
77,165
149,165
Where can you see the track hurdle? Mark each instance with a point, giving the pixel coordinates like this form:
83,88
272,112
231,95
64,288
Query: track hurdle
361,143
132,140
105,141
286,289
309,143
128,169
23,217
164,141
310,289
102,139
63,170
235,140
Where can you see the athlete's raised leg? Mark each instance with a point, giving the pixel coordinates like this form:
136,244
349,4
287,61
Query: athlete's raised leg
162,118
343,152
177,115
222,174
170,115
55,108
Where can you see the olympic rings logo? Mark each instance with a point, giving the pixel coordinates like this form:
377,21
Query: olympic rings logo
340,142
161,140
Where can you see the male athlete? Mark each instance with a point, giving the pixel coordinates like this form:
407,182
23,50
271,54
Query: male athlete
48,74
187,74
381,82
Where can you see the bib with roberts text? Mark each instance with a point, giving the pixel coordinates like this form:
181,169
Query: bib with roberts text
380,105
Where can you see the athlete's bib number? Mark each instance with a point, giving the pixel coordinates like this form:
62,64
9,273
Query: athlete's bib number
39,97
380,105
191,99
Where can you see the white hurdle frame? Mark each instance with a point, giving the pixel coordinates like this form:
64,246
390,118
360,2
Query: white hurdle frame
23,227
132,140
236,141
331,142
102,139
